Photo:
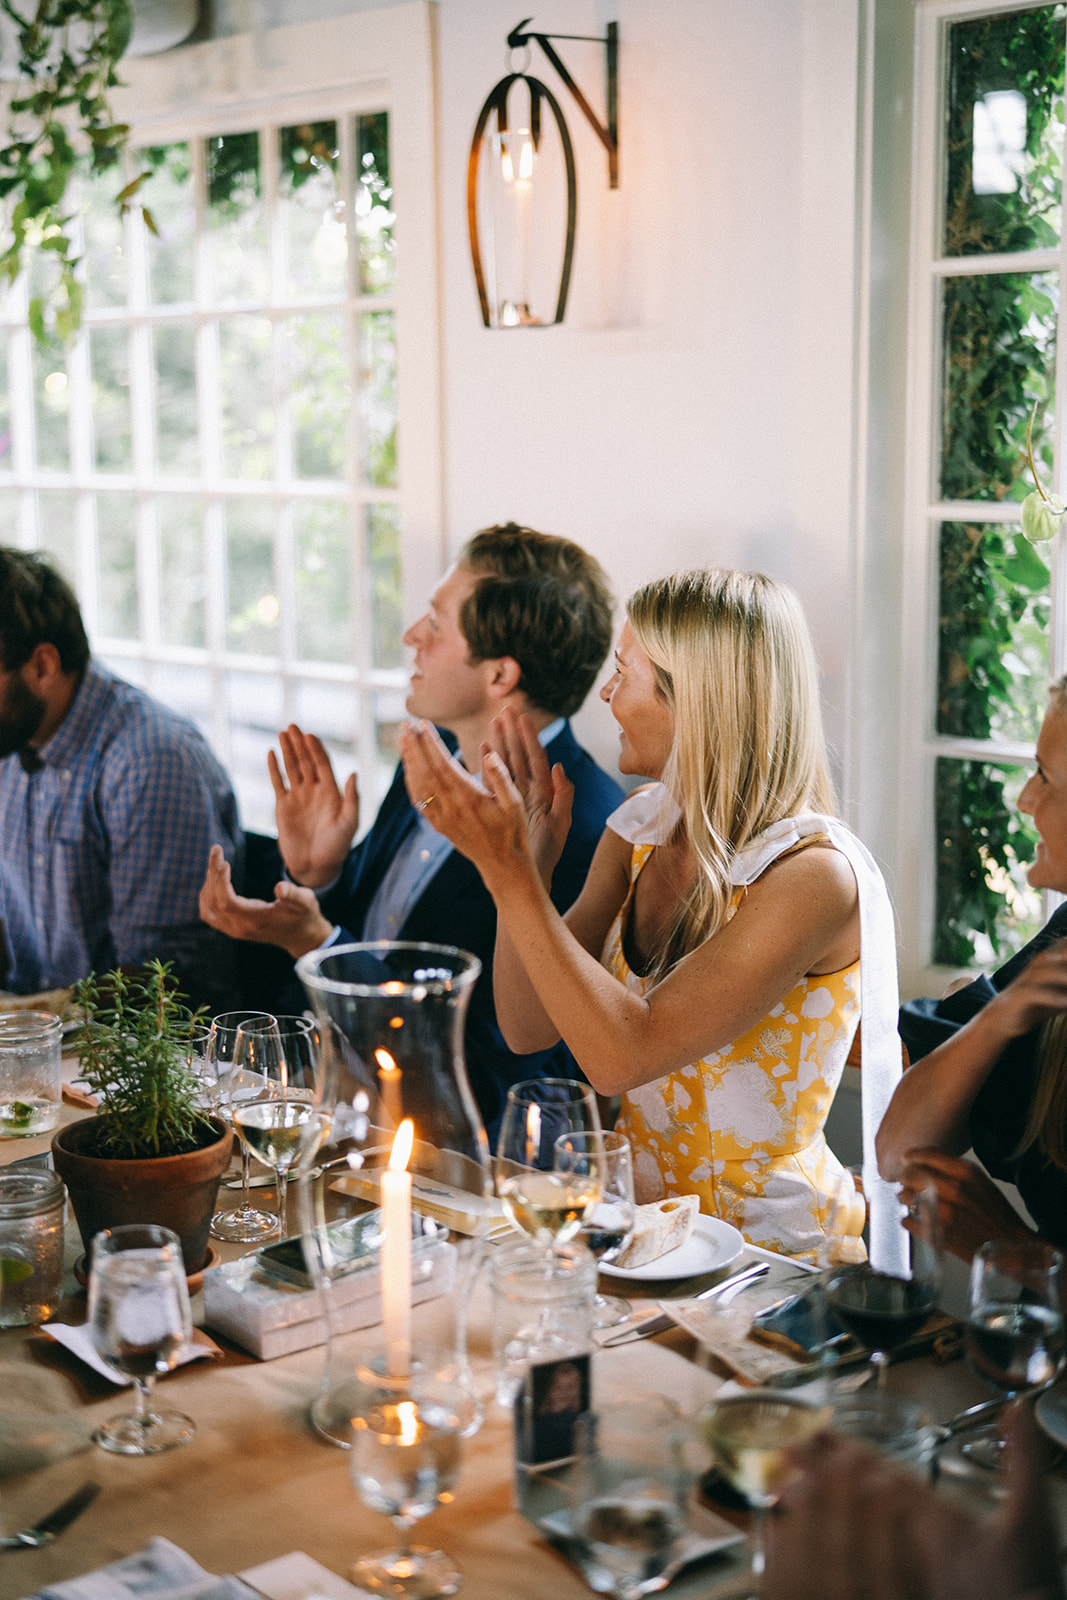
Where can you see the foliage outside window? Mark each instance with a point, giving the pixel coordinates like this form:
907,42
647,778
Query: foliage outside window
215,459
1004,129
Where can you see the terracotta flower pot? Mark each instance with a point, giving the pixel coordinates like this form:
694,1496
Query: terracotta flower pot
176,1192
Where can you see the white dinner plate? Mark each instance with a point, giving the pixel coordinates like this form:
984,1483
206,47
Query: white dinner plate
1051,1411
711,1245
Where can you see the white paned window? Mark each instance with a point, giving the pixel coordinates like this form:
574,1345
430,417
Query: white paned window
215,462
986,353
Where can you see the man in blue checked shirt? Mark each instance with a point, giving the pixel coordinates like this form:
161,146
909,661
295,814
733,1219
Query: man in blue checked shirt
109,807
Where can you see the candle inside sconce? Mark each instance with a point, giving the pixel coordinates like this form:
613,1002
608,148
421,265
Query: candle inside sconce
396,1253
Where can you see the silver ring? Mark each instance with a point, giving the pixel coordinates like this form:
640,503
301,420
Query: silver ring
420,805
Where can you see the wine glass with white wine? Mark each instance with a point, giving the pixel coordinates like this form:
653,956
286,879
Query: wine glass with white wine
542,1201
608,1224
271,1091
243,1223
749,1435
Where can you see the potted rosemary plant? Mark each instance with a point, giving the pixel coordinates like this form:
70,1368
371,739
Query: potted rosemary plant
150,1154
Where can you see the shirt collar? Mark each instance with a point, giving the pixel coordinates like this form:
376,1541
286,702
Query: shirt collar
554,729
72,732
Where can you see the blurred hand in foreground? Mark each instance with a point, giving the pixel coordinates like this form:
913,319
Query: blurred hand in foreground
853,1526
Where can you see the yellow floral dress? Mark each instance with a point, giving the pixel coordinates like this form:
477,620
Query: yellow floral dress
742,1129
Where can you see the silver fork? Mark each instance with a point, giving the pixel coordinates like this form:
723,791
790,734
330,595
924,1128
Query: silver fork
51,1526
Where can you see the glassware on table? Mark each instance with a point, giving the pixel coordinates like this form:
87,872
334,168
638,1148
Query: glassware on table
251,1030
542,1309
629,1487
203,1068
900,1429
140,1319
406,1433
749,1435
271,1092
31,1085
32,1208
883,1310
392,1017
540,1200
608,1224
1014,1336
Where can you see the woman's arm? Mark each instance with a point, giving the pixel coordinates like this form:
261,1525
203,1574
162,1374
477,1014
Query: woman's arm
523,1019
931,1106
805,906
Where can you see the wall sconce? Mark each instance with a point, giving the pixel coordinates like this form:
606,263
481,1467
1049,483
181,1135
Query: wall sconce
528,180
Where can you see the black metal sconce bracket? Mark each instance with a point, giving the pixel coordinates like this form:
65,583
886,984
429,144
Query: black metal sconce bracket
519,38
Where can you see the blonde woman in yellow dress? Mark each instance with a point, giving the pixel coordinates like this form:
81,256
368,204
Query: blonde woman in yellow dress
709,972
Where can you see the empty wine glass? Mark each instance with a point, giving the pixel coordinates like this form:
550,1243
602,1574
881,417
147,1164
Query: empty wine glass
629,1490
749,1435
540,1200
271,1092
243,1224
1014,1337
881,1309
405,1456
140,1320
608,1224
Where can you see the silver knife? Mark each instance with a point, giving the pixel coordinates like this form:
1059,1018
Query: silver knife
660,1324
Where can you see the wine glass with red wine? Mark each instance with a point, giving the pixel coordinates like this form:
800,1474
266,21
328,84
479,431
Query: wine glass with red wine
883,1310
1014,1337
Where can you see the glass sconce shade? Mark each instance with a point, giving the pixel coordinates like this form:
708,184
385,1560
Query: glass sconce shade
522,208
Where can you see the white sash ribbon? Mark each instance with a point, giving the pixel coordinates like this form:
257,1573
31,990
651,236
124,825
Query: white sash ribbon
651,816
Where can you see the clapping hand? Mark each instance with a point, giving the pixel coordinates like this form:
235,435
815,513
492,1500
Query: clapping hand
316,819
486,821
292,920
547,793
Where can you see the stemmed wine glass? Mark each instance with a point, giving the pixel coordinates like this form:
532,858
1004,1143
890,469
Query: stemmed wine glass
253,1031
541,1200
1014,1337
406,1433
880,1309
140,1320
271,1091
749,1435
608,1224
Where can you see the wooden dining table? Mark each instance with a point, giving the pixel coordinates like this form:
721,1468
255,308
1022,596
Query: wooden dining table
257,1482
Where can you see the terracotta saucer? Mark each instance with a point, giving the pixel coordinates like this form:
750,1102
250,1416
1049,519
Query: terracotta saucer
195,1280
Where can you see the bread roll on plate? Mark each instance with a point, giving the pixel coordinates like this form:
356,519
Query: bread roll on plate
659,1227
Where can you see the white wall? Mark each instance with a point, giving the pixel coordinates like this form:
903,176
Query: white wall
695,406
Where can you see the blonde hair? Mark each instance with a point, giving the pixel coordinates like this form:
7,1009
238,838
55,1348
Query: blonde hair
733,660
1046,1124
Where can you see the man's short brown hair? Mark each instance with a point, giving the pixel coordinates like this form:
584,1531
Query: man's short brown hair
545,602
38,606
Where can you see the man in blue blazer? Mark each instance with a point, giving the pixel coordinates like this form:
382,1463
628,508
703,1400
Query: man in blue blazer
522,619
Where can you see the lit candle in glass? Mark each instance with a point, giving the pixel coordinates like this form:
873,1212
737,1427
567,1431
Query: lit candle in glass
396,1253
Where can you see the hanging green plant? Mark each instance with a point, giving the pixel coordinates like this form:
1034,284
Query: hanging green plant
1042,513
67,53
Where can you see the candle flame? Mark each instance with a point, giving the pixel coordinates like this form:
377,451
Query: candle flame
533,1134
400,1154
408,1417
386,1065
